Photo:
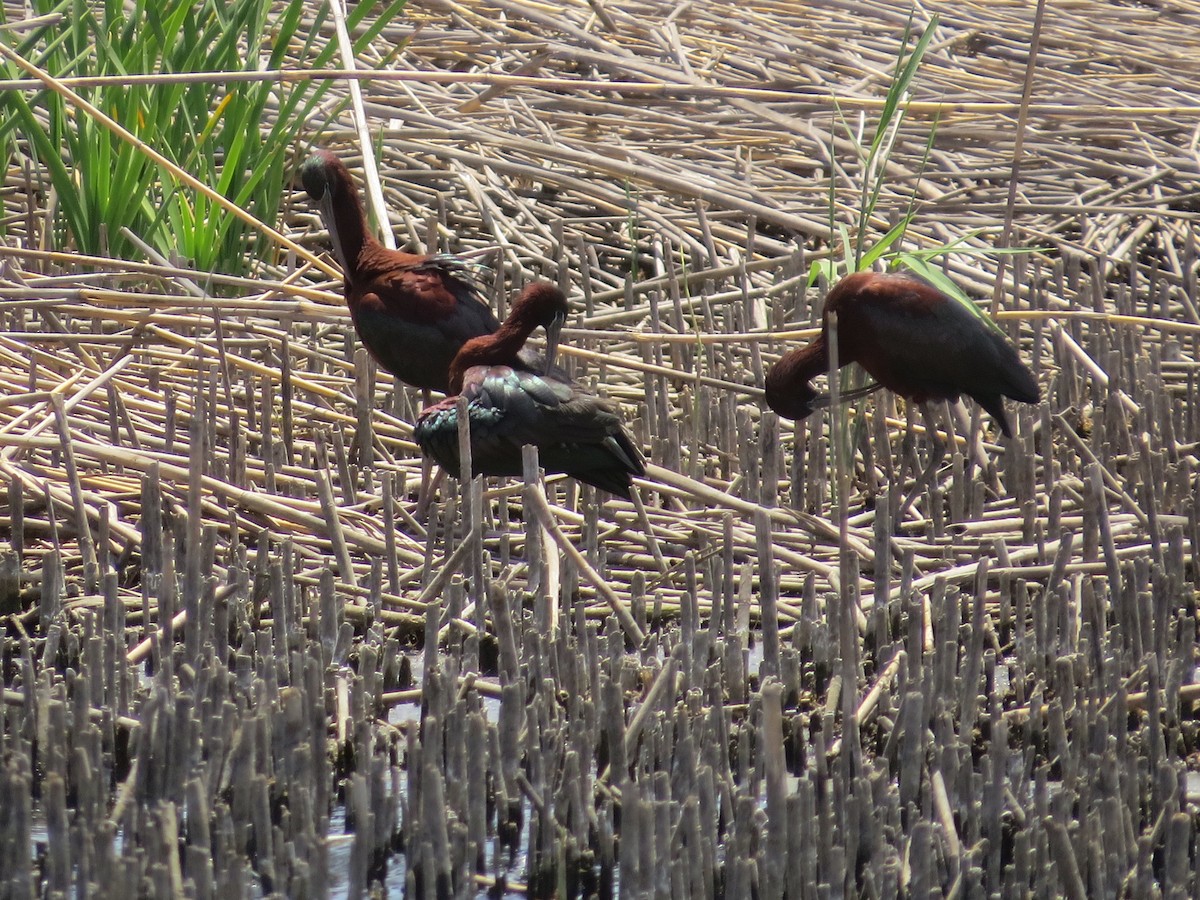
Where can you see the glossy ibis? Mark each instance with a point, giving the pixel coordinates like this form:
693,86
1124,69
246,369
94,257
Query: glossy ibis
510,405
911,338
412,312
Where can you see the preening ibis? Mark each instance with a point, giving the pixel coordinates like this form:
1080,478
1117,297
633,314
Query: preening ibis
511,405
911,338
412,312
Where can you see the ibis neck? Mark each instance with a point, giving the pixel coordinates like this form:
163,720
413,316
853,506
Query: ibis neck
801,365
349,232
788,391
500,348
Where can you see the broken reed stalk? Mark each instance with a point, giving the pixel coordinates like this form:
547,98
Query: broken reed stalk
1037,586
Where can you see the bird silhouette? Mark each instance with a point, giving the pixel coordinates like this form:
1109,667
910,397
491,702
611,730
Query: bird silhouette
510,405
913,340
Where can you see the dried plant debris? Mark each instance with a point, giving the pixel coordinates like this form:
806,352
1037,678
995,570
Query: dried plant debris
236,662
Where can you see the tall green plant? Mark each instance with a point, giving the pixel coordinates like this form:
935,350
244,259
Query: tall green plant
235,137
874,148
873,157
858,252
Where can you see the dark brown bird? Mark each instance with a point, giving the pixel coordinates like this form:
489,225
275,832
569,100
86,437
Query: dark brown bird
914,340
510,405
412,312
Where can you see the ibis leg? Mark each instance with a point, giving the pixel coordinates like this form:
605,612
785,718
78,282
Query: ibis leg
937,453
430,481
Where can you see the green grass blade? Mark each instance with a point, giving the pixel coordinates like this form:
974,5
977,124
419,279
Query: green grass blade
822,268
938,279
880,247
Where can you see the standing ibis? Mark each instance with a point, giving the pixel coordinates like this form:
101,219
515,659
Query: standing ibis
911,338
412,312
510,405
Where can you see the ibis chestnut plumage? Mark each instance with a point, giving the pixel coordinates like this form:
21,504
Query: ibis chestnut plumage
914,340
412,312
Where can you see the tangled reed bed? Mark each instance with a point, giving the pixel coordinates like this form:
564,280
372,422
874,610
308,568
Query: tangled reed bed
216,594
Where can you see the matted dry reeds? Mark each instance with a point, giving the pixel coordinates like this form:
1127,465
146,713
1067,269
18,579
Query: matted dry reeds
216,594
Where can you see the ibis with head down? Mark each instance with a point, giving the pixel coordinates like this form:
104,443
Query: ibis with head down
510,404
914,340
